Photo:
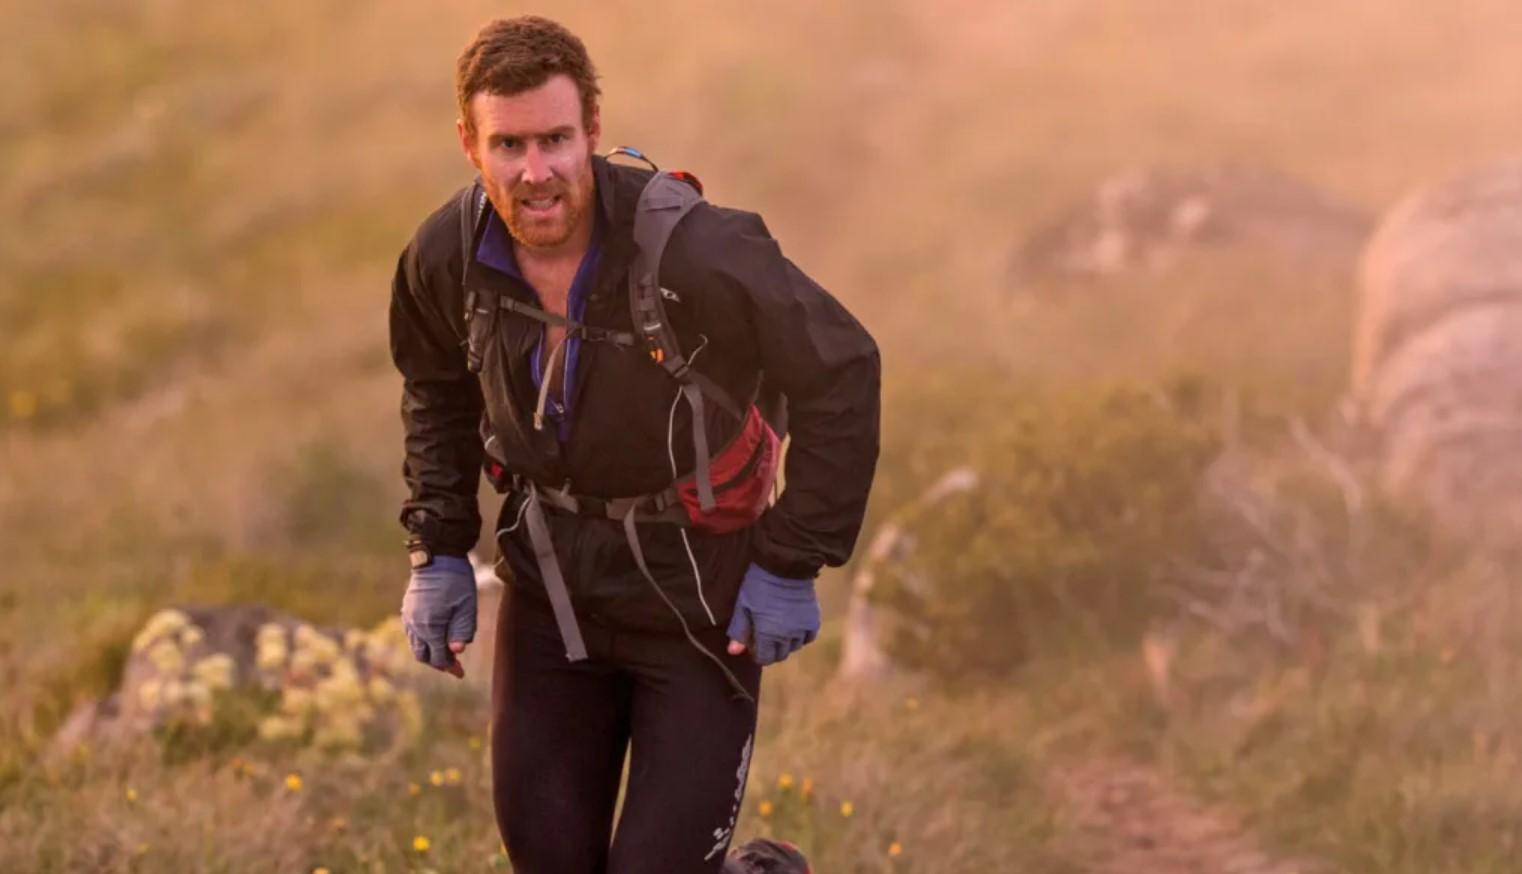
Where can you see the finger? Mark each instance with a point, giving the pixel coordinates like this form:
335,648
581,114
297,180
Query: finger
458,646
438,653
462,625
419,648
769,651
739,630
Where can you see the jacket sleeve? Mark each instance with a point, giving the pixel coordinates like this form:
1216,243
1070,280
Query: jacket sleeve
829,368
441,408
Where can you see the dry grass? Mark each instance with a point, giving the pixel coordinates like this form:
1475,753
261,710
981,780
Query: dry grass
202,206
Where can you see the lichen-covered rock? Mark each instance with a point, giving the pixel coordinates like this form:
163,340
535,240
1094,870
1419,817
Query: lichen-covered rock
1437,366
1145,219
331,687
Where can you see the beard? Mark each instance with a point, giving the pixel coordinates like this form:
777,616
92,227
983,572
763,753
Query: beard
541,231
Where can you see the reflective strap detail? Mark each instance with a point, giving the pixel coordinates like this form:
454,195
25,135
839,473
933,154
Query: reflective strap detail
554,583
694,397
639,559
544,382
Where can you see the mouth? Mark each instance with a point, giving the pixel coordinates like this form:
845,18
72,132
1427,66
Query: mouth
539,206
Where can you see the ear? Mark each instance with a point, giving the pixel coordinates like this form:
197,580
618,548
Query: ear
594,129
467,144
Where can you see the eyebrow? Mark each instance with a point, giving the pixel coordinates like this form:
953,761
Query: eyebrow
526,135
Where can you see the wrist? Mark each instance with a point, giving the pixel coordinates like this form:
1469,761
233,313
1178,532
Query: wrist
422,555
761,574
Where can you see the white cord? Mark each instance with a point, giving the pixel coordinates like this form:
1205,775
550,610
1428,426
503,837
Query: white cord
516,522
671,455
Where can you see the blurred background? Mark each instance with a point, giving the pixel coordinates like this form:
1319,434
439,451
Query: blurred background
1190,544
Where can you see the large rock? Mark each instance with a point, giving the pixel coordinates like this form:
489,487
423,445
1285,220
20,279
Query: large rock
1145,219
329,686
1437,361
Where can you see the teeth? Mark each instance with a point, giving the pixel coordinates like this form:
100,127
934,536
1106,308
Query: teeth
542,203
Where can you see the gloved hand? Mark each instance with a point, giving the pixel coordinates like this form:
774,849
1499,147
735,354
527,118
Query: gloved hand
439,612
781,615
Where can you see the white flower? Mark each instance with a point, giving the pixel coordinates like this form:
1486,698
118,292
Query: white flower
162,623
215,670
166,657
278,727
148,694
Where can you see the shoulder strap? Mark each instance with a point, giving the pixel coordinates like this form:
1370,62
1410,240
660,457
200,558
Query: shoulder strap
472,205
664,202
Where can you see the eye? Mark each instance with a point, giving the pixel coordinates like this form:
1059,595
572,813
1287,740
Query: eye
508,143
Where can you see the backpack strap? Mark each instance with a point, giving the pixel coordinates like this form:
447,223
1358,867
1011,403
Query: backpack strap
665,201
472,206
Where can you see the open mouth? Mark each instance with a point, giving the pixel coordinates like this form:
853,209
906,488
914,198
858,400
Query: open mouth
539,205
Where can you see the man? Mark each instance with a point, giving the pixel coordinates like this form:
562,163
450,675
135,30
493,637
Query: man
624,629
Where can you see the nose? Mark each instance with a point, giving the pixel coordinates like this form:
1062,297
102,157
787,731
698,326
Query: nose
536,167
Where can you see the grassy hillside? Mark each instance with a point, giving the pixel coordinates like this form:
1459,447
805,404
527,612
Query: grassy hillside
202,205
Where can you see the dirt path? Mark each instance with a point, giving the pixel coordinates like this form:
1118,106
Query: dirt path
1129,820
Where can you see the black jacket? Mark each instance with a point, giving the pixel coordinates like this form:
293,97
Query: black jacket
758,313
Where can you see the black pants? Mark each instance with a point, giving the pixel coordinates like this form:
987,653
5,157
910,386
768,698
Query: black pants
560,731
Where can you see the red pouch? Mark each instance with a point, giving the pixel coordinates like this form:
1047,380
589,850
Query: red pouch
743,474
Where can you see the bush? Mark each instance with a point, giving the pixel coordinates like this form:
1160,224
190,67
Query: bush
1082,501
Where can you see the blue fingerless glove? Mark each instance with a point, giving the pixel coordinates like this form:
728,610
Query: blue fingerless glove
438,607
774,615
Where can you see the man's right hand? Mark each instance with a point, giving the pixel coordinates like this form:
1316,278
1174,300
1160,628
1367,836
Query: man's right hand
439,612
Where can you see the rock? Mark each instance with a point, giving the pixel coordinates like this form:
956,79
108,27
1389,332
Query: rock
1146,219
1437,361
864,654
333,687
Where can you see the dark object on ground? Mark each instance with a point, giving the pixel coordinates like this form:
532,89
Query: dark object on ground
764,856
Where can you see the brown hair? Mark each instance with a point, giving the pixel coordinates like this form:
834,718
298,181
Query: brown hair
513,55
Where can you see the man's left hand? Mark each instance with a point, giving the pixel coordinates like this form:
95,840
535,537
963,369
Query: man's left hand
774,615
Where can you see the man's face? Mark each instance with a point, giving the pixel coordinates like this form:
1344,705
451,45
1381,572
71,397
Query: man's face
535,159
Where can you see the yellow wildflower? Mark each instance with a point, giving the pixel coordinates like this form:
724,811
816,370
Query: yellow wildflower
321,870
23,404
847,808
413,789
131,794
785,782
436,778
421,844
452,775
765,809
895,849
473,742
293,782
807,789
911,703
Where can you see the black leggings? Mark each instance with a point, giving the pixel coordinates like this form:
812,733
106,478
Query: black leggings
560,731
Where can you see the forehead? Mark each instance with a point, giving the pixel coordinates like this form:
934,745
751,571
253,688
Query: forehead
552,105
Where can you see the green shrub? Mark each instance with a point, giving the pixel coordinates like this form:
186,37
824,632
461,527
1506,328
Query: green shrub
1082,501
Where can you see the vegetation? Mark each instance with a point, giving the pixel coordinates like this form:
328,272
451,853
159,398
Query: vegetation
1174,559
